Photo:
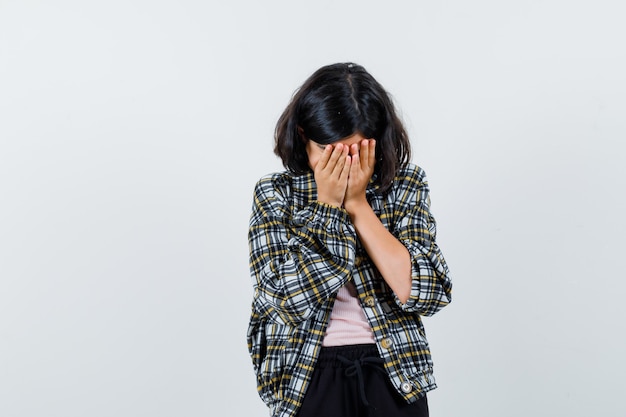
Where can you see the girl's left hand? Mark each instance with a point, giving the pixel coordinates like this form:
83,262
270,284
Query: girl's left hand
363,159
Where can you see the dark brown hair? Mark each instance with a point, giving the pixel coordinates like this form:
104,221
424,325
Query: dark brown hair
336,102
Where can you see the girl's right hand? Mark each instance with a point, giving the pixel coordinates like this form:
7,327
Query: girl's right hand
331,174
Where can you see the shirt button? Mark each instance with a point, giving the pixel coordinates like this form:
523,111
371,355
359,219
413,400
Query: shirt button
386,343
406,387
369,301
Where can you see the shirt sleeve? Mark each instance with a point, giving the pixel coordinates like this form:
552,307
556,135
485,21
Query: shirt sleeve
297,259
415,227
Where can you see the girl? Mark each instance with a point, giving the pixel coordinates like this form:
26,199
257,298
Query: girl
343,258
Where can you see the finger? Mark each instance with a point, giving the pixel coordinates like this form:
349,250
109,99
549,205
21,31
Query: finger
341,161
364,153
355,163
354,149
323,161
371,161
345,171
334,156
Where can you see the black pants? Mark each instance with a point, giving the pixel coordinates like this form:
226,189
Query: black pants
350,381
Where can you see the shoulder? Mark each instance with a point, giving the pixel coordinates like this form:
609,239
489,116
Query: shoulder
410,188
276,189
410,176
274,181
285,183
271,196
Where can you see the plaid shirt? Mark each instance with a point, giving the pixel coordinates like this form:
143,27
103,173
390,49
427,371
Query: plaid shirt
302,251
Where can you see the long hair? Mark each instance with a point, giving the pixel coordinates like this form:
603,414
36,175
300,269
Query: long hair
336,102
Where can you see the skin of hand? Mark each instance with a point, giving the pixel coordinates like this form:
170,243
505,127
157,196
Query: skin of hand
390,256
331,174
342,174
362,164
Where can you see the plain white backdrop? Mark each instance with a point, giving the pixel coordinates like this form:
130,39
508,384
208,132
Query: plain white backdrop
132,133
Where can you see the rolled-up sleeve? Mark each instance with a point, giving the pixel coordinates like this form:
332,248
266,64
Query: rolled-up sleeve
298,259
415,227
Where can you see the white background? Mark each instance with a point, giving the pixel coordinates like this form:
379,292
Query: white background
132,133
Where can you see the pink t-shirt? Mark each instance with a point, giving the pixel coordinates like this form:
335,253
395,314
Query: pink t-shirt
348,325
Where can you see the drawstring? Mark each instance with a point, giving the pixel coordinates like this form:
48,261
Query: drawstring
355,367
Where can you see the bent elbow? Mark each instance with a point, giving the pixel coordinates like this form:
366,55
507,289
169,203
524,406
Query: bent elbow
281,310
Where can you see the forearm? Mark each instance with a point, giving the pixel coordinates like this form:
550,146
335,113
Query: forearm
390,256
298,268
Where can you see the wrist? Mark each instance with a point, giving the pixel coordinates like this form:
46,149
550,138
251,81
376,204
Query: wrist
355,205
329,201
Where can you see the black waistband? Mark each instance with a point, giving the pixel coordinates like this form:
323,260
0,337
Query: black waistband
329,355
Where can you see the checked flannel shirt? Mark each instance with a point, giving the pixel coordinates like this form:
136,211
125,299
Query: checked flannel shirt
302,251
